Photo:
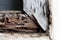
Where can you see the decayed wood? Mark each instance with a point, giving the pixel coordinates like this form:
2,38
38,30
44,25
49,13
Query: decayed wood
16,21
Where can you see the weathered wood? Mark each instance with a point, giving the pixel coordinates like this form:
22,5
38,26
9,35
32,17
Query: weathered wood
15,20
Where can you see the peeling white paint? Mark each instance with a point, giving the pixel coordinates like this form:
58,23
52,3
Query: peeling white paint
35,7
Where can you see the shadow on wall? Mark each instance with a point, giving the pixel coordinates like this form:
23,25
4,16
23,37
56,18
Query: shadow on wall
11,4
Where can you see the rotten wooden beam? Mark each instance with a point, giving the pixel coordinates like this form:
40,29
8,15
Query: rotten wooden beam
15,20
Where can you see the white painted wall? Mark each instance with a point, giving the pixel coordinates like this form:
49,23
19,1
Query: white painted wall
55,8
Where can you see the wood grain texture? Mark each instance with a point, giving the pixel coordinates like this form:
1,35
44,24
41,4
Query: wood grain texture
15,20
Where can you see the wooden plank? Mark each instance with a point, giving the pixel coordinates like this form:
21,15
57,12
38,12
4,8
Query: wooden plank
19,22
